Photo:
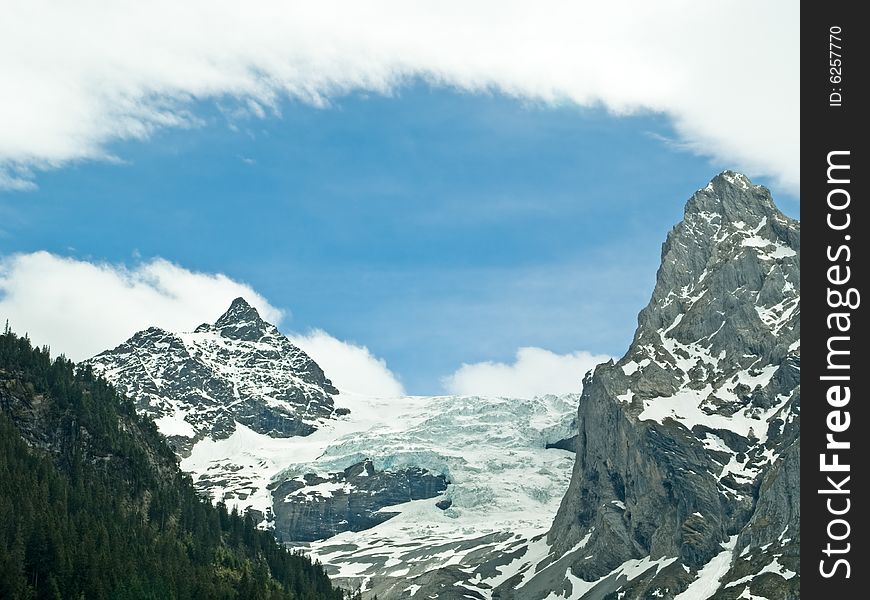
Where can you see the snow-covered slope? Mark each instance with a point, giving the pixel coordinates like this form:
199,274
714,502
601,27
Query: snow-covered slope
502,485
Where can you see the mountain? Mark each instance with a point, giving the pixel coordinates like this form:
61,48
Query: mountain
93,504
388,493
686,480
240,370
673,475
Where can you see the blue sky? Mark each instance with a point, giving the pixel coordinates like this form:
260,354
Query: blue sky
434,226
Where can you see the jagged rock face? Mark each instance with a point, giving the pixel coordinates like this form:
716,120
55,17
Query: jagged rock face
240,369
312,507
687,452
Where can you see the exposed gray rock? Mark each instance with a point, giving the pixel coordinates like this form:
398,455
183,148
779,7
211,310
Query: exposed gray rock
569,444
688,445
314,508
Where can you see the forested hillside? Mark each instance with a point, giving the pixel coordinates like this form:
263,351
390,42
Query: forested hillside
93,505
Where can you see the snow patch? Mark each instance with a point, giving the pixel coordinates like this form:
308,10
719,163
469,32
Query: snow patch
685,406
175,425
710,575
627,397
773,566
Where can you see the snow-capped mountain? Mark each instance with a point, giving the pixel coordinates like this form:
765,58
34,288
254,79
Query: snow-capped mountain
686,482
240,371
418,471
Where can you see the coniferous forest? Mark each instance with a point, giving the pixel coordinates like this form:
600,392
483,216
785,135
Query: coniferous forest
94,506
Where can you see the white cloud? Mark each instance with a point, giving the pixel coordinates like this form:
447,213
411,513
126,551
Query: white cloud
74,77
534,372
81,308
353,369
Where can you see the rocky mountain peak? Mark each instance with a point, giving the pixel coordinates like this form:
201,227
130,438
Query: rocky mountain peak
688,446
202,384
240,321
734,197
729,274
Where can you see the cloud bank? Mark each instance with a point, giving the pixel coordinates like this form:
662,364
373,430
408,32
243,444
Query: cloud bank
75,77
534,372
353,369
81,308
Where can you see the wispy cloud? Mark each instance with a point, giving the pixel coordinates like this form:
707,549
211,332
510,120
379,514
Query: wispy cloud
74,80
15,177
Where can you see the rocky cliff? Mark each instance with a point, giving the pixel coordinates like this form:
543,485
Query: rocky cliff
686,477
